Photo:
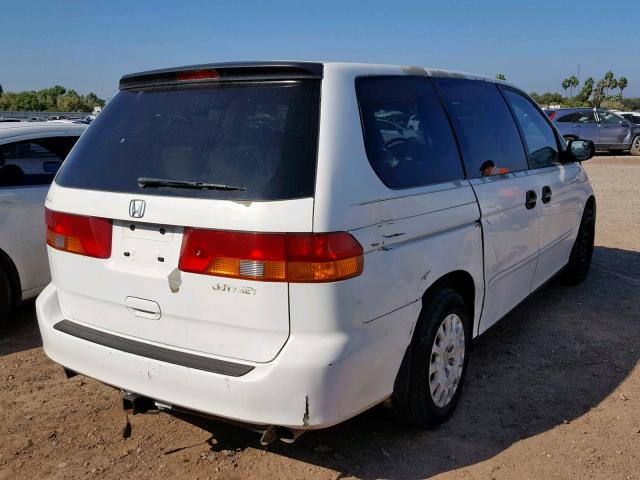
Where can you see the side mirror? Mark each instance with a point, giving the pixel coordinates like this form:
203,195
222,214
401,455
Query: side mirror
580,150
51,166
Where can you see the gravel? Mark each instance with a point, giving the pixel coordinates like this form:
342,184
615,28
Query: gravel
552,392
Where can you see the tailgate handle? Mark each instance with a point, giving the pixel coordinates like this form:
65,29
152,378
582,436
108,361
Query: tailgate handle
143,308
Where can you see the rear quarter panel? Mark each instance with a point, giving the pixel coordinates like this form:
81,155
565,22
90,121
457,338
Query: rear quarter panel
411,238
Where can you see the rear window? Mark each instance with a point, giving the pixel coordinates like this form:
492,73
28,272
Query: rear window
260,137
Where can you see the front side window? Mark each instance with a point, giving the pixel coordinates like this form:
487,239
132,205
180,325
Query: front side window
587,116
407,136
33,162
538,135
610,118
487,133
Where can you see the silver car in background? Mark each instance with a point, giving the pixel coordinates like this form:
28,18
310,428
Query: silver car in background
607,130
633,117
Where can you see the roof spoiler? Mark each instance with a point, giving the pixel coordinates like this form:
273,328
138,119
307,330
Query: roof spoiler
238,71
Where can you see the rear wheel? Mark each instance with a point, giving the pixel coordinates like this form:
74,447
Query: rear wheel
5,296
434,366
580,259
635,146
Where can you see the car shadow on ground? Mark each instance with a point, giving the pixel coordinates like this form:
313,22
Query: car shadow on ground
554,358
20,331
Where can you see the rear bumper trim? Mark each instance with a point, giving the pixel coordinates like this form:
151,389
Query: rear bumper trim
154,352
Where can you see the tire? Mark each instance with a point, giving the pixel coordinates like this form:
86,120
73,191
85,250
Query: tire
635,146
412,401
5,296
580,259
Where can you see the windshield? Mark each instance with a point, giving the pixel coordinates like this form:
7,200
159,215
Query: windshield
259,137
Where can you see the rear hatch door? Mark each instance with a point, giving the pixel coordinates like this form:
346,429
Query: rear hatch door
202,149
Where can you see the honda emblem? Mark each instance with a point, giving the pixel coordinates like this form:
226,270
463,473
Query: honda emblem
136,208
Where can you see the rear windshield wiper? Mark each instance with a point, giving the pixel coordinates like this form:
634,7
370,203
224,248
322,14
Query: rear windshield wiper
144,182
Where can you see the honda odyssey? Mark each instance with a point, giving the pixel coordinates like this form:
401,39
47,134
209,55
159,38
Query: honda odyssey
289,244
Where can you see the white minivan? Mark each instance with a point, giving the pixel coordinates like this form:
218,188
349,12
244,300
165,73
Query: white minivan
289,244
30,155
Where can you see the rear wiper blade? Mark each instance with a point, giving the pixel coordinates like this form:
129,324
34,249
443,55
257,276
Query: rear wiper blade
144,182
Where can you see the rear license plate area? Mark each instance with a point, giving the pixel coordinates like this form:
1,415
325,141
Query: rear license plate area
151,244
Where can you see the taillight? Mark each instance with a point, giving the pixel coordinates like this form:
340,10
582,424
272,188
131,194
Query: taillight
274,257
90,236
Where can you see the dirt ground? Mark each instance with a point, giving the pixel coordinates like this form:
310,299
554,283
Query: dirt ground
553,392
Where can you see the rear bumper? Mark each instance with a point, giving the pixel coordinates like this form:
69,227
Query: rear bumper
316,381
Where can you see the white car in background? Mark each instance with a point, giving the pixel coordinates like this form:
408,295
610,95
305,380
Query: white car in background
30,155
633,117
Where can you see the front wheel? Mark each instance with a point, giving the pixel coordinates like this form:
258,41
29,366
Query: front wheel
435,363
635,146
580,259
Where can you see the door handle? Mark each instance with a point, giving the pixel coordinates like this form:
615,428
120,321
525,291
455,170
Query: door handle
546,194
530,199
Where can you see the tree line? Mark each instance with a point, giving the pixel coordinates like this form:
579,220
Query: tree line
54,99
606,93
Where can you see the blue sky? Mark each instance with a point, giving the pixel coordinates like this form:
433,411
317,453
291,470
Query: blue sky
89,45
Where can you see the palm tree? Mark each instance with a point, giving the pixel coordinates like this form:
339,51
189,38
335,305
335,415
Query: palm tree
599,92
622,84
587,89
566,83
613,84
607,81
573,83
500,76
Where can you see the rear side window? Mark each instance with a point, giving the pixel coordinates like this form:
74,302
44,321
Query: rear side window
258,137
568,118
586,117
487,133
538,135
407,136
33,162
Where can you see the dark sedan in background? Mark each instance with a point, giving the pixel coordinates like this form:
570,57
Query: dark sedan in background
607,130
